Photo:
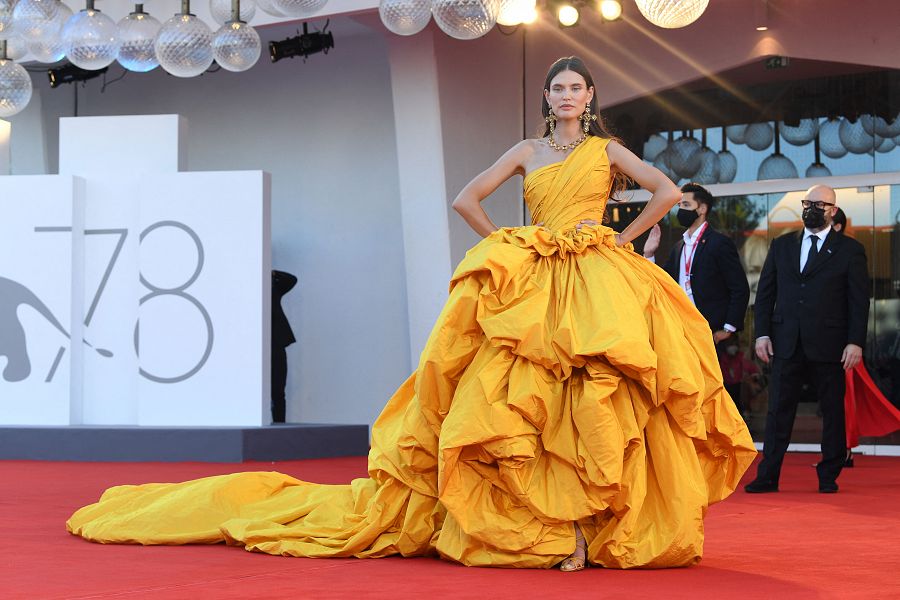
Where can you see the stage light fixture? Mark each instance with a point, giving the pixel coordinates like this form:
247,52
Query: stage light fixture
761,15
610,10
69,73
567,15
302,44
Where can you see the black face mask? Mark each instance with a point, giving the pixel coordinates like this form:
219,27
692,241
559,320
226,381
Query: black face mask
687,217
813,218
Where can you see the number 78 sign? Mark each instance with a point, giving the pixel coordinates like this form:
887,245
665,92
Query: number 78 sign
135,299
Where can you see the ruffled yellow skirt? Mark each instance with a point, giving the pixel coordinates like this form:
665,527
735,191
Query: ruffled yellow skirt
565,380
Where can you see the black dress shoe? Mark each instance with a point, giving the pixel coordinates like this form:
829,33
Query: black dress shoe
760,487
828,487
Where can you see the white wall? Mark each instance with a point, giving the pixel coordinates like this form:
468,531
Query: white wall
325,131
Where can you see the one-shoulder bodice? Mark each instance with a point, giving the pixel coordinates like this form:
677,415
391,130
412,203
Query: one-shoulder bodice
561,194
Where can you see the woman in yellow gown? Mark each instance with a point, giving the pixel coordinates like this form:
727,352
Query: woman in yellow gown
569,393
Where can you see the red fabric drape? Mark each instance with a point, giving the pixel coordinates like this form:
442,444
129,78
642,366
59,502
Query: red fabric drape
868,412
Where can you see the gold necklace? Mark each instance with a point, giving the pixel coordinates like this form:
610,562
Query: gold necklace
571,146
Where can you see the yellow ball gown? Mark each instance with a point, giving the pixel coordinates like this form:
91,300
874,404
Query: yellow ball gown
566,380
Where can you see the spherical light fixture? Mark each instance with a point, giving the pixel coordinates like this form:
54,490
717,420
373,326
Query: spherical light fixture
184,45
567,15
708,173
35,20
800,135
236,46
727,166
405,17
684,156
6,18
885,145
818,170
137,34
268,6
610,10
830,139
53,49
530,15
298,8
672,14
465,19
653,146
736,133
854,137
91,39
514,12
759,136
662,163
221,10
15,85
777,166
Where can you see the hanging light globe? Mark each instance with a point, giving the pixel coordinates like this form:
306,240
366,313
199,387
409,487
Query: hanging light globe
672,14
871,124
854,137
221,11
6,19
885,145
818,170
16,49
465,19
236,46
52,50
515,12
759,136
268,6
184,46
891,129
91,39
298,8
727,166
708,173
35,20
736,133
777,166
684,156
653,146
137,34
15,88
405,17
800,135
830,139
662,163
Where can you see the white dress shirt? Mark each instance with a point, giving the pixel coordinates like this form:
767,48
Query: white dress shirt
690,250
806,244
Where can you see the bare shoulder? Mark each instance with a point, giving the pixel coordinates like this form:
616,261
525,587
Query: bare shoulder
617,152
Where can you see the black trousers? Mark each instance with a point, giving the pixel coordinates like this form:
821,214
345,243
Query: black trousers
279,380
788,376
734,390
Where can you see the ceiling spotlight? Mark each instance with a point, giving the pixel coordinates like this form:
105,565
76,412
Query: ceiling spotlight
69,73
302,45
567,15
610,10
761,15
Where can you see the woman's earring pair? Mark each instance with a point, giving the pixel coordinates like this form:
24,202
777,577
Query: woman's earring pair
586,118
551,120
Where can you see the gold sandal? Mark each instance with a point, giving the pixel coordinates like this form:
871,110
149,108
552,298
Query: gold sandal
573,562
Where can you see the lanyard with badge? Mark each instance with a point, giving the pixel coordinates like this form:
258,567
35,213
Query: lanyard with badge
689,258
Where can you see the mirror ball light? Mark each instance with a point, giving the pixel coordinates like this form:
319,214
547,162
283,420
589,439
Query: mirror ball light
15,88
54,49
405,17
672,14
465,19
236,46
137,35
91,39
184,46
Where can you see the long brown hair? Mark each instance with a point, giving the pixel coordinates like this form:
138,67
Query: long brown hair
597,128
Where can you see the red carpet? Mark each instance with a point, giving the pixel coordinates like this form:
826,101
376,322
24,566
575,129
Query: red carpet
793,545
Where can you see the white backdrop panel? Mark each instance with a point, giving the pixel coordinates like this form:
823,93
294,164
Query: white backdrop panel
39,265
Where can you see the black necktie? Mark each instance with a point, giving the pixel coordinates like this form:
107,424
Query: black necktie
813,252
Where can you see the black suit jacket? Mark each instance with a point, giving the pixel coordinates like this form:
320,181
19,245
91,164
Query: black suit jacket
827,307
282,334
720,287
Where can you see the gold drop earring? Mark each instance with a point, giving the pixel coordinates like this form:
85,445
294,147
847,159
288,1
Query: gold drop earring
551,121
587,117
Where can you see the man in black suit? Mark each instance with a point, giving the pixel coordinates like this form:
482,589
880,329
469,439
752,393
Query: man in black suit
812,308
282,337
706,264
